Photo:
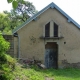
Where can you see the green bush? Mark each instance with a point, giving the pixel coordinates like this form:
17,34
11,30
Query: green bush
8,68
7,63
4,46
2,77
11,62
3,59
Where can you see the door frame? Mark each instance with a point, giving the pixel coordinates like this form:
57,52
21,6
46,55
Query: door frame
56,55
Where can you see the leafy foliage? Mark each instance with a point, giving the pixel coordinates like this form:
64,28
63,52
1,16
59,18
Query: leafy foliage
7,68
4,23
9,1
34,73
22,10
3,59
7,63
4,45
15,4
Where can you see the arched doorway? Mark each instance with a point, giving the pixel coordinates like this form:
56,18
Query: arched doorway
51,55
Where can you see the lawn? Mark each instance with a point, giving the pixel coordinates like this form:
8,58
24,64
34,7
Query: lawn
34,73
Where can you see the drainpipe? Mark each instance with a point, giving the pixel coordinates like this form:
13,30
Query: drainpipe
16,35
18,47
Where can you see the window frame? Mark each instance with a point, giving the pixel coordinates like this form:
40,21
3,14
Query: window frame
51,30
55,31
47,30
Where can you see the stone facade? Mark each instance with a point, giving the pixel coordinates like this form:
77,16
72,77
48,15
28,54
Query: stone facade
29,43
10,39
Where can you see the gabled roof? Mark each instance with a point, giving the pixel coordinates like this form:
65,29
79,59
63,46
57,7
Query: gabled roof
51,5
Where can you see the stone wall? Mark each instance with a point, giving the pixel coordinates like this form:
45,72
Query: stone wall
70,65
31,45
10,39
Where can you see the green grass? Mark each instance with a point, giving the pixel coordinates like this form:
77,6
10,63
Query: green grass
11,70
35,73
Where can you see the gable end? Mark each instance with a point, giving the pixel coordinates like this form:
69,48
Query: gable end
51,5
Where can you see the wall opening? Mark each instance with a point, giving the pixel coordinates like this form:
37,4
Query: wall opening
51,55
55,30
47,30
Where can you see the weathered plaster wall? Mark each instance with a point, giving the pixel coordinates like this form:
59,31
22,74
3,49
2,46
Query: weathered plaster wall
68,47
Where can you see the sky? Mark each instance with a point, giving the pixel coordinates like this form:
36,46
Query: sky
71,7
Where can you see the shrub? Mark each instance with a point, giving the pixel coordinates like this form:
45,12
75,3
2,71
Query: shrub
11,62
3,59
3,77
7,63
4,46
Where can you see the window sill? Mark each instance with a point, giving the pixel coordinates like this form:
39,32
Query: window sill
51,37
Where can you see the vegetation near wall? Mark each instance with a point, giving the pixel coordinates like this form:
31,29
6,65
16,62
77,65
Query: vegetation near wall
7,63
9,20
4,46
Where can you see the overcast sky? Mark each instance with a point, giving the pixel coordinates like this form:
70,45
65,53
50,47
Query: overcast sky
71,7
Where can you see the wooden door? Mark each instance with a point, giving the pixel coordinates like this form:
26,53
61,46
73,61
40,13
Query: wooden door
51,55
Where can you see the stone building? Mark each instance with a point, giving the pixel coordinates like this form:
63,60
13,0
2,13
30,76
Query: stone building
50,36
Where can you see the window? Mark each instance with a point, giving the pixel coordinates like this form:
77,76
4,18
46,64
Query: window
47,30
55,30
51,29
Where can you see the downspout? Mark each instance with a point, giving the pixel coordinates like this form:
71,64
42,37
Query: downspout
16,35
18,47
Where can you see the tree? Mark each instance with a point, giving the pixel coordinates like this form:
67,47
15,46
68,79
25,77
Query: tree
21,13
24,10
14,22
14,3
18,15
4,23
